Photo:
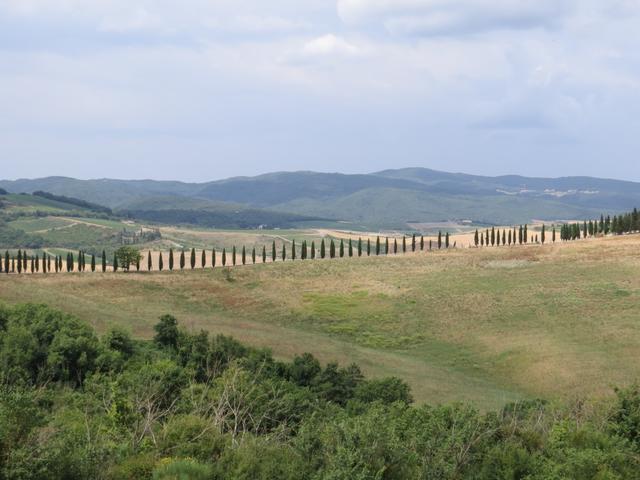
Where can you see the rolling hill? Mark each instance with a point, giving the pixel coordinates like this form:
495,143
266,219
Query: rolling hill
386,199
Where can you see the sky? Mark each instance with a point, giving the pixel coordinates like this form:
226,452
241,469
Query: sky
199,90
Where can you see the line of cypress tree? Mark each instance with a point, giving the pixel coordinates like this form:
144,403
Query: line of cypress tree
1,264
24,260
160,262
32,265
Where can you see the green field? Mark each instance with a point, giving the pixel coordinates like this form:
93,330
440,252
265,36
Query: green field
485,326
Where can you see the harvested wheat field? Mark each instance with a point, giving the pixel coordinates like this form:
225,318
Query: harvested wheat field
481,325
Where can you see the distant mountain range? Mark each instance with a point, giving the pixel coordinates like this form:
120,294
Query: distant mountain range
387,199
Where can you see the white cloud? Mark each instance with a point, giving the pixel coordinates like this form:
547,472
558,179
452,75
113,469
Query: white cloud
440,17
329,45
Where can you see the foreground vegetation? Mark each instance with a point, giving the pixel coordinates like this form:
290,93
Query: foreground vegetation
191,406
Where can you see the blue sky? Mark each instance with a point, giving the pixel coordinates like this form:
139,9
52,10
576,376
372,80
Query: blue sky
206,89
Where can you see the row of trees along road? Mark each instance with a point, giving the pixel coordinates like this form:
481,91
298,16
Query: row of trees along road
128,258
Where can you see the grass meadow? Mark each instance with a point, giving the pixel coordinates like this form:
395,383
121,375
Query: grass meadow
486,326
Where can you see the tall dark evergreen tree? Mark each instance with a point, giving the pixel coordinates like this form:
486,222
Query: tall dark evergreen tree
19,261
313,250
203,258
138,263
6,261
520,235
482,240
378,245
253,255
213,258
404,244
303,252
322,249
584,229
192,259
284,252
160,262
395,246
293,250
171,260
486,237
115,262
543,234
149,262
332,249
182,260
224,257
93,262
476,238
233,256
264,254
439,240
553,234
359,247
525,235
446,240
24,261
421,243
413,243
244,255
103,261
341,248
368,247
350,248
493,236
273,251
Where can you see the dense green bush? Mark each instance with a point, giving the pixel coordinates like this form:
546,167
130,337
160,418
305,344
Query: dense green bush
188,406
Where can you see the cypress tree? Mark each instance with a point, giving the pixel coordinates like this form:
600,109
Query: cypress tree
253,255
213,258
19,261
525,233
203,258
584,229
493,236
233,256
1,264
476,239
171,262
293,249
104,261
6,261
115,262
482,240
421,243
244,255
386,246
413,243
359,247
520,235
24,261
404,244
284,252
303,251
13,265
160,263
182,260
192,260
264,254
350,248
33,269
332,249
341,248
446,240
395,246
322,249
378,245
313,250
553,234
368,247
273,251
439,240
509,237
93,262
430,244
138,264
543,234
224,257
486,237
